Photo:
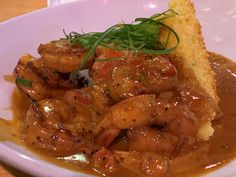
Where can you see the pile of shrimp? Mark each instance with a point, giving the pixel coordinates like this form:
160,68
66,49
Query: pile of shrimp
134,99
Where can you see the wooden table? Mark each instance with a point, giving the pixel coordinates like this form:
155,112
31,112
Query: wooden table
10,9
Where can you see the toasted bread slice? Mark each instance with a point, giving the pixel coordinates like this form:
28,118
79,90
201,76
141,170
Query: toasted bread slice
191,58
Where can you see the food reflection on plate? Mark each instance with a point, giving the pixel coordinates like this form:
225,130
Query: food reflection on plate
151,109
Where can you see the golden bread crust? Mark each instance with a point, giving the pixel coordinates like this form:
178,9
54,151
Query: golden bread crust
191,57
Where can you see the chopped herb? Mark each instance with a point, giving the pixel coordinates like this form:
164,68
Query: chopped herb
109,59
142,36
24,82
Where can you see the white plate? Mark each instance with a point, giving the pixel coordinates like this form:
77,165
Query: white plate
24,34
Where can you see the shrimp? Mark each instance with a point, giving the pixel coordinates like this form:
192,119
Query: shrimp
143,164
79,97
107,136
101,70
50,126
101,98
151,164
146,139
203,106
123,116
43,81
82,101
175,116
133,74
61,56
141,74
25,69
133,112
144,110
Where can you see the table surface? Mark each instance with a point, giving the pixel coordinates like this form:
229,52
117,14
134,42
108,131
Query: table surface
10,9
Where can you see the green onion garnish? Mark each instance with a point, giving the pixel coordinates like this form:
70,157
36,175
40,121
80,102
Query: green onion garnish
142,36
24,82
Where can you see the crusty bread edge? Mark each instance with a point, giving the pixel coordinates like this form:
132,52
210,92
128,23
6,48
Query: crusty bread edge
191,58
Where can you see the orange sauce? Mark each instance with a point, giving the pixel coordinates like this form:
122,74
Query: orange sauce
210,155
221,148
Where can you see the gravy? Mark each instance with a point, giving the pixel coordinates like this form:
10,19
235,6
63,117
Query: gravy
208,156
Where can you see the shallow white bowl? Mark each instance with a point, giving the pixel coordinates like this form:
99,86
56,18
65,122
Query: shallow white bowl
24,34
